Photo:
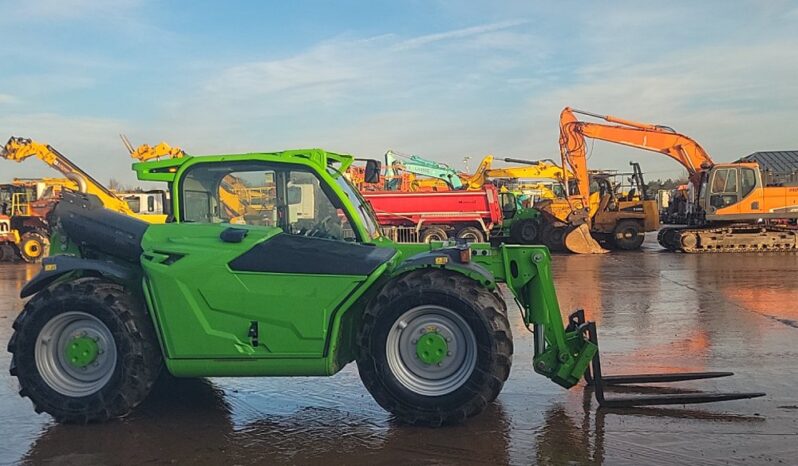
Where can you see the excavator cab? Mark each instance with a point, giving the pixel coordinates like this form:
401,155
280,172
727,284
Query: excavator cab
729,185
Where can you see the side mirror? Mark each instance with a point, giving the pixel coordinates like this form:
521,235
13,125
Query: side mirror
294,195
373,168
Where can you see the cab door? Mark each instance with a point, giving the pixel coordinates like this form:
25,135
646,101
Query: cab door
752,193
265,286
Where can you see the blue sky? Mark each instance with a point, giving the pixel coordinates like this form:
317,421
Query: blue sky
442,79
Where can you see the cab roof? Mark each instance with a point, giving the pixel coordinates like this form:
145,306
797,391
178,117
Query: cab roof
165,170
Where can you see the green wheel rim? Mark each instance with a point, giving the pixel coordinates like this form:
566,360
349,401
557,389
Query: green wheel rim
75,354
431,350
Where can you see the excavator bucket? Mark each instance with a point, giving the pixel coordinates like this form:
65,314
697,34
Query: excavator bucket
580,241
599,381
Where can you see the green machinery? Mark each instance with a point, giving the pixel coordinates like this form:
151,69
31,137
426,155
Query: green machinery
288,294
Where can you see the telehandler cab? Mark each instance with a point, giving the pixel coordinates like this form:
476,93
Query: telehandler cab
291,292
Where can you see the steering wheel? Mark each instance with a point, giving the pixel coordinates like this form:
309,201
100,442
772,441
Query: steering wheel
320,229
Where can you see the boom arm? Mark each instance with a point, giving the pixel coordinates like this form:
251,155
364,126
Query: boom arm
541,169
420,166
20,149
145,152
646,136
478,178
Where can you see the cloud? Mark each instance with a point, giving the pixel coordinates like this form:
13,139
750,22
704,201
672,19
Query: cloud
73,9
473,31
323,68
340,83
341,68
492,87
7,99
731,99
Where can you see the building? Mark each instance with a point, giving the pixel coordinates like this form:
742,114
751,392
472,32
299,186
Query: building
778,167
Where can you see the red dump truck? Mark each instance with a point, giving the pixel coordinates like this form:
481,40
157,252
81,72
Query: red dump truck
434,216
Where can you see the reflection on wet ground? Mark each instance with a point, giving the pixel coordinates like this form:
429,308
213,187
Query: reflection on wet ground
656,312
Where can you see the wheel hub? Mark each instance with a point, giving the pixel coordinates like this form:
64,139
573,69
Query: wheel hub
82,351
32,248
432,348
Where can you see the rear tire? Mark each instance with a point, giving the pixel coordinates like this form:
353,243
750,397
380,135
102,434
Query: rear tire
433,234
525,231
8,253
554,237
33,247
472,365
628,235
471,234
84,351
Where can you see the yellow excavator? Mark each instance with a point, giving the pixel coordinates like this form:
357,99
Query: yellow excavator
592,208
541,179
25,205
20,149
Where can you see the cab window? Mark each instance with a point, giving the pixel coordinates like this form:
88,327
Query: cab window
747,180
724,188
288,197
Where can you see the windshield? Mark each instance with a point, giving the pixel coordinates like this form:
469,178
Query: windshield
362,207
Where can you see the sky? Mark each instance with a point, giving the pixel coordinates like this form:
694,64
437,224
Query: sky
442,79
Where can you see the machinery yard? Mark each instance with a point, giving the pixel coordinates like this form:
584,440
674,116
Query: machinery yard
657,312
398,233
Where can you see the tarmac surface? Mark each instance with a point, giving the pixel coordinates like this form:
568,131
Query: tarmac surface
656,311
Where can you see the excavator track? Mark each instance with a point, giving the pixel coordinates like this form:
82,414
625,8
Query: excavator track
730,239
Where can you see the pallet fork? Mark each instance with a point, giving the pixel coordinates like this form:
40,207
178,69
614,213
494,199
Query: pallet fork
598,381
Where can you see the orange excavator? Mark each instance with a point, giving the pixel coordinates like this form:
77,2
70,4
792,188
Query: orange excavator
592,209
730,206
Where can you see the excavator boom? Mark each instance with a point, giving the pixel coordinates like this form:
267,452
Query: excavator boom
145,152
20,149
395,162
478,178
656,138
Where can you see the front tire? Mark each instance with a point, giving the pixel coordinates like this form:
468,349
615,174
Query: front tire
84,351
554,237
471,235
433,233
525,231
8,253
33,246
628,235
435,347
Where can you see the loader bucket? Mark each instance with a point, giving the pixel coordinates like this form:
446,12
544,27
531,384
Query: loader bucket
580,241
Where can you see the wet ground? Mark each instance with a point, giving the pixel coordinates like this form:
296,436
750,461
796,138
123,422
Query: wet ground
656,311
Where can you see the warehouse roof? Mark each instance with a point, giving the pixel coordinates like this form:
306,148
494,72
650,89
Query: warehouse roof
777,161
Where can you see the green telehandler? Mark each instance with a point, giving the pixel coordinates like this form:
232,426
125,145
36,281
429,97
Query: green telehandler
302,285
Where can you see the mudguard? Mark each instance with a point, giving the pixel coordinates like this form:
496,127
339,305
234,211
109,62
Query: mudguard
448,259
56,267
